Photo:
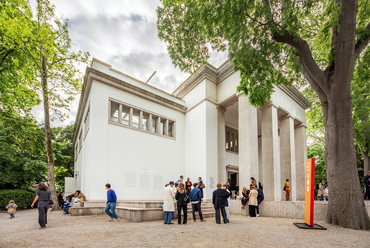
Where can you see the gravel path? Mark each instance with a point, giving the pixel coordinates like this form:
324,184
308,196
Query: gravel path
97,231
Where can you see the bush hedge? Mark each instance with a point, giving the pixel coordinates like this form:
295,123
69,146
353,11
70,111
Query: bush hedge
23,198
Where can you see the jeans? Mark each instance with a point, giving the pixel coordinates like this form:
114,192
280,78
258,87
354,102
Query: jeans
185,210
258,206
65,207
168,217
43,212
197,207
112,207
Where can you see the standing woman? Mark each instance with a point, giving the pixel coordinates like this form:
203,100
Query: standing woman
181,203
287,190
44,197
227,210
253,203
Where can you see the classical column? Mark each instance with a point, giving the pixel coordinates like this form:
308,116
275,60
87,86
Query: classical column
158,125
248,142
165,131
287,155
141,119
300,160
270,154
221,150
130,122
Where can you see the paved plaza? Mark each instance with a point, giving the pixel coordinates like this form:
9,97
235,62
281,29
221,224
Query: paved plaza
97,231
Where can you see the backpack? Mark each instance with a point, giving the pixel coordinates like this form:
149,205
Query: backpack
317,186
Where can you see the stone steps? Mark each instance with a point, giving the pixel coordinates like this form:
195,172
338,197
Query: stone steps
139,211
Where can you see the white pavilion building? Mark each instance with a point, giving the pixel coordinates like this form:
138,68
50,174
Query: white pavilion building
138,138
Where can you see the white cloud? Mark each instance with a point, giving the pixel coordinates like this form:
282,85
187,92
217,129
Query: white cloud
123,34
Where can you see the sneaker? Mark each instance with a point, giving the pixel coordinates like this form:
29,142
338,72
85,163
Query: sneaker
116,220
258,215
111,219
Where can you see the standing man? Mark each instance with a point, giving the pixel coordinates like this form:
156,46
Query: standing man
181,180
195,196
168,203
201,186
110,208
260,198
367,186
219,200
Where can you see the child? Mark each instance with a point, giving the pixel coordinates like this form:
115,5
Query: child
11,209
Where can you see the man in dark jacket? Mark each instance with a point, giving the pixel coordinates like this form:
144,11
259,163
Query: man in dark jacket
367,186
196,196
219,200
260,198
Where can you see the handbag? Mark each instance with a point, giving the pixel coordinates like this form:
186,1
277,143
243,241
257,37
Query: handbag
202,186
284,188
187,198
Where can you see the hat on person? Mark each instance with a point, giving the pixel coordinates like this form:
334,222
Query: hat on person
171,182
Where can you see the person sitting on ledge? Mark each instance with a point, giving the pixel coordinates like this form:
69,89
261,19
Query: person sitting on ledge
81,198
68,204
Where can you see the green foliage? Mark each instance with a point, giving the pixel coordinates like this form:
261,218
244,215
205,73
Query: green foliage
16,68
23,198
22,152
63,153
361,102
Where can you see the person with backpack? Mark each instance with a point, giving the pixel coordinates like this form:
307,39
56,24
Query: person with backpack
287,190
260,198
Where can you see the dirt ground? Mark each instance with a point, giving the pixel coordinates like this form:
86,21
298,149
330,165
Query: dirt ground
97,231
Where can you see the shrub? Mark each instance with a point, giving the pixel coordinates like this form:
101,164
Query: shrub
22,198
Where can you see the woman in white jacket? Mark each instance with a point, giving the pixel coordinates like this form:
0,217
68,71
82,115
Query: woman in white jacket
168,203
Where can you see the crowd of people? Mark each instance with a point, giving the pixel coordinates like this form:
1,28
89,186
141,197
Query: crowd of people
177,193
181,193
44,201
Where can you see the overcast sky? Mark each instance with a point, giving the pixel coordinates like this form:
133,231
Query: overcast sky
122,33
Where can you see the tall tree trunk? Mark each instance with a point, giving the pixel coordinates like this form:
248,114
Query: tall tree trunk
346,205
49,147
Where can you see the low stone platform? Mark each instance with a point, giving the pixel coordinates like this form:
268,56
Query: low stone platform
138,211
287,209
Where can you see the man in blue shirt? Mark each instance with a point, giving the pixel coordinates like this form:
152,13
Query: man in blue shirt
111,203
196,197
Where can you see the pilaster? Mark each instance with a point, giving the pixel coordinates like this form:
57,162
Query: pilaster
287,155
300,157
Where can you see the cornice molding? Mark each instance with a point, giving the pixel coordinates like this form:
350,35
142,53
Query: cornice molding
217,75
205,72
